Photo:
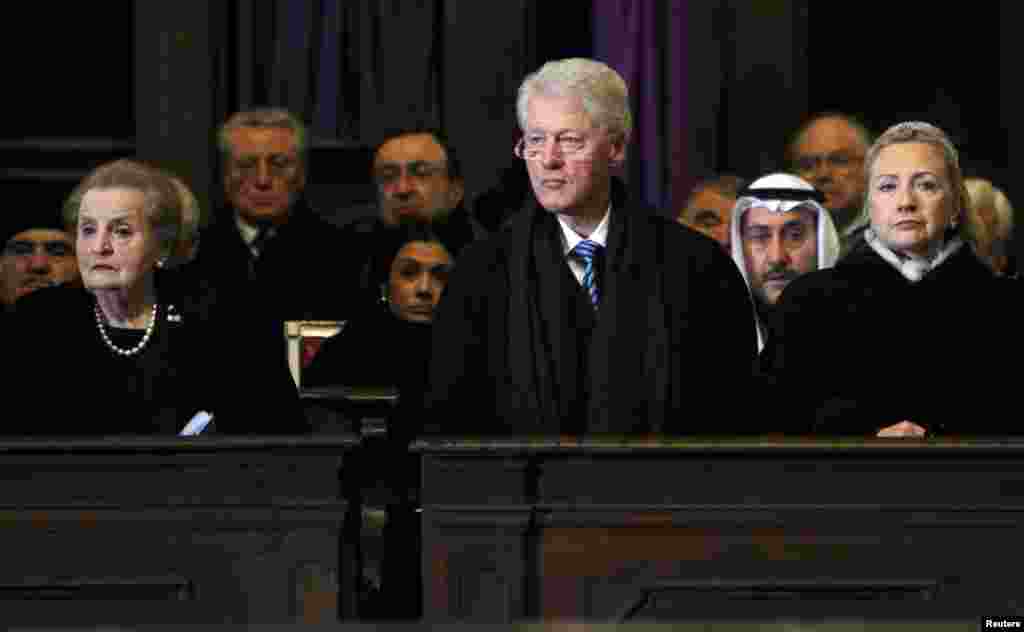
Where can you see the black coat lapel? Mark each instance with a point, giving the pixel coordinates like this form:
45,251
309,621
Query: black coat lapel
566,320
527,395
628,359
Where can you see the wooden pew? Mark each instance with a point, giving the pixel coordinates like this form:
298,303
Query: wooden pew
681,530
144,531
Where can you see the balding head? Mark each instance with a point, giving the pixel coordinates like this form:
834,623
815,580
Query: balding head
828,151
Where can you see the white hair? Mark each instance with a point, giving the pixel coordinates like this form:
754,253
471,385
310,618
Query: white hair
603,92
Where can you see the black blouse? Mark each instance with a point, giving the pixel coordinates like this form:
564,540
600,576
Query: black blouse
204,355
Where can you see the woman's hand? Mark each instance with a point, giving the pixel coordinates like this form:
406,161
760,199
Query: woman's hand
902,429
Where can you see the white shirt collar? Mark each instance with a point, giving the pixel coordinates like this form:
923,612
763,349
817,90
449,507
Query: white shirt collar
570,238
247,230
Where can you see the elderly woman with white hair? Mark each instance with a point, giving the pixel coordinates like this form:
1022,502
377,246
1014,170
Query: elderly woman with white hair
890,341
134,353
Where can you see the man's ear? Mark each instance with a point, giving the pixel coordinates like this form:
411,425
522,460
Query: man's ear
456,191
301,175
617,155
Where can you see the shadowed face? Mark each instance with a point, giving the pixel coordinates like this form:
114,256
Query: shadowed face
417,279
830,155
710,212
413,181
778,248
35,258
264,174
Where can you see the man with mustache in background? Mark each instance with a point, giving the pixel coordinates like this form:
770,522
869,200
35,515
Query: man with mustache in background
418,176
268,243
780,231
37,251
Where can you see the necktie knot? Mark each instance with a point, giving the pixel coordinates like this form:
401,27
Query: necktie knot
589,252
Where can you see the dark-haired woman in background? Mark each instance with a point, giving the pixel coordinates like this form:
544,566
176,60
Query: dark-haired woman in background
388,343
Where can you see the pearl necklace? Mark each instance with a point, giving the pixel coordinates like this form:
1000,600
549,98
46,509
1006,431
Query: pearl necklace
110,343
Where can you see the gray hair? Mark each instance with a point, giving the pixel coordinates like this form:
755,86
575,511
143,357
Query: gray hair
191,219
603,92
276,118
921,132
858,127
161,202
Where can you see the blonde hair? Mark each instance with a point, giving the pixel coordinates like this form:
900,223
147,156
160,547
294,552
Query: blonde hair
983,194
990,241
921,132
603,92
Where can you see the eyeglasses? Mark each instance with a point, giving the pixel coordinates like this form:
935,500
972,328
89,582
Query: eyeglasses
278,165
29,248
532,145
389,173
835,160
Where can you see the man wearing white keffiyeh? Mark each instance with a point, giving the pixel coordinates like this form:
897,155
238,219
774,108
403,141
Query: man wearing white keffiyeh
876,342
780,231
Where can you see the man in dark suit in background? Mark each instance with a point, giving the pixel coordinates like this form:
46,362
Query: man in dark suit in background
588,312
268,241
418,176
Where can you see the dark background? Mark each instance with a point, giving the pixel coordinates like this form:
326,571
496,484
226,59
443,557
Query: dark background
88,82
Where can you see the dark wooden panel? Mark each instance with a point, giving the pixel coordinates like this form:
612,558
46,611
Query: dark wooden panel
139,531
723,530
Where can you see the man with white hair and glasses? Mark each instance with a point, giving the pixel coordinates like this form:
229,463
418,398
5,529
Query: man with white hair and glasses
588,313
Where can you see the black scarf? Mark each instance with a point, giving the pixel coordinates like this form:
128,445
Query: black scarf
619,381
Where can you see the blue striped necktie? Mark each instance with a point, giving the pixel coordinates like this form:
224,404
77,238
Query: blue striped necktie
590,253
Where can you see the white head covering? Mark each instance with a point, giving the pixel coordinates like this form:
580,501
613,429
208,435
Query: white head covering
781,193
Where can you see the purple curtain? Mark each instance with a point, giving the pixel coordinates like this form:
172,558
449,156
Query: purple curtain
643,41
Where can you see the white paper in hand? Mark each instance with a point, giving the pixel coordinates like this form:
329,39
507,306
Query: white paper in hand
197,424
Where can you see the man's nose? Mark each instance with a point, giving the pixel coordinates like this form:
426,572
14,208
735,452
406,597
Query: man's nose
263,179
403,185
777,250
822,169
551,154
39,262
